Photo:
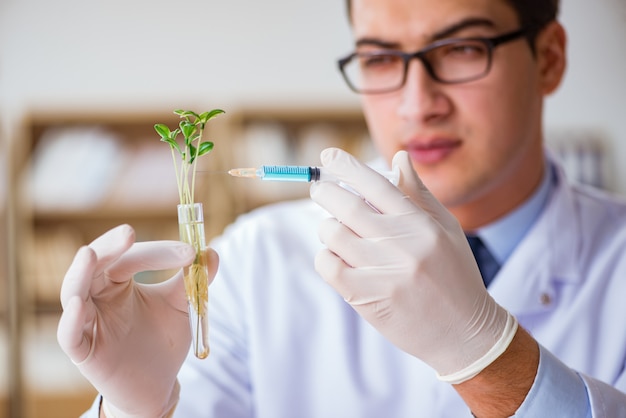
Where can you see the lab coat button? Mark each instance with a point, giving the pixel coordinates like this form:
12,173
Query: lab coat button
545,299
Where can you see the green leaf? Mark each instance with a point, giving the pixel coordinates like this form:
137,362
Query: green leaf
204,117
162,130
188,130
205,147
185,113
174,133
213,113
192,153
173,144
191,126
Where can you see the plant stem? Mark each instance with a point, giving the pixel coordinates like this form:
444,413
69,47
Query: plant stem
195,162
178,177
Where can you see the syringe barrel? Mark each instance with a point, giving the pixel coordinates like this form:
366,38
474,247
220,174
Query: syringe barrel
307,174
290,173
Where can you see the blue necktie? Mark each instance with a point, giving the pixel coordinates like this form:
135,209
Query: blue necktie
487,264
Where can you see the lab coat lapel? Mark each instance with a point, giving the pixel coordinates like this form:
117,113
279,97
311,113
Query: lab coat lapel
528,282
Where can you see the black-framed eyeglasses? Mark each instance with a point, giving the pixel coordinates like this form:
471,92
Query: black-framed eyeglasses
449,61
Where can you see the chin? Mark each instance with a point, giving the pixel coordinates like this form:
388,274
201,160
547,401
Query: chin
448,196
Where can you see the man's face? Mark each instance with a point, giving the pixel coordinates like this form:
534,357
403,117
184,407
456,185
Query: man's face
467,141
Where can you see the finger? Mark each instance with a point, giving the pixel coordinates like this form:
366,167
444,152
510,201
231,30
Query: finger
365,221
339,239
409,182
352,249
111,245
357,286
346,207
372,186
150,256
213,262
412,186
331,268
71,331
77,280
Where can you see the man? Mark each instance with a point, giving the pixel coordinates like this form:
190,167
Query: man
452,89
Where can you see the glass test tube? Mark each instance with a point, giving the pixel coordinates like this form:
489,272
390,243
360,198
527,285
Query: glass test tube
191,228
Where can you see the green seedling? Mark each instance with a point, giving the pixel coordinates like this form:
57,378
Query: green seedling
191,127
191,224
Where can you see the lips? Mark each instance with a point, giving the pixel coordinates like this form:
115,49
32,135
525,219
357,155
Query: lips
432,151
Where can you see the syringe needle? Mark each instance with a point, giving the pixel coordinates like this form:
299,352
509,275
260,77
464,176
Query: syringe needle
244,172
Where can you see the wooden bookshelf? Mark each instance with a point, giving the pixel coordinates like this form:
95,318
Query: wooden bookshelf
137,190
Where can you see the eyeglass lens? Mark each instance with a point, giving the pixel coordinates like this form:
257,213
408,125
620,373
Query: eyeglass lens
452,62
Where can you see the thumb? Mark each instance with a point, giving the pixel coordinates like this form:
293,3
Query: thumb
409,182
213,261
411,185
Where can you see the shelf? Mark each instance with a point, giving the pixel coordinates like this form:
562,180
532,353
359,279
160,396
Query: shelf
166,213
53,385
131,181
4,377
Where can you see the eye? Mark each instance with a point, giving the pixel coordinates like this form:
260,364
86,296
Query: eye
463,50
377,60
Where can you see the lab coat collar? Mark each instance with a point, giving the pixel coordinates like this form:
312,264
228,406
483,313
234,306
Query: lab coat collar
548,255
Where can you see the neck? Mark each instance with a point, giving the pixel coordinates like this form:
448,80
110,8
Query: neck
500,199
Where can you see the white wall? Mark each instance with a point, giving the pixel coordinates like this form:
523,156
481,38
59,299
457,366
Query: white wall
593,96
146,53
162,54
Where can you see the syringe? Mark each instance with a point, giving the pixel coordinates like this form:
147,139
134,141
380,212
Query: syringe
296,173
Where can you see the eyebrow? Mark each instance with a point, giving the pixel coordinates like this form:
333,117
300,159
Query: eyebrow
463,24
444,33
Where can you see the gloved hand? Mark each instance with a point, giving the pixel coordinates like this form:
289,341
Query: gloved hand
403,262
128,339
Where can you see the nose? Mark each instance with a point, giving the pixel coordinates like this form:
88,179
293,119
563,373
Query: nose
422,97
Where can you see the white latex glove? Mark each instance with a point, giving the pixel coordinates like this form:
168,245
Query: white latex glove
403,262
128,339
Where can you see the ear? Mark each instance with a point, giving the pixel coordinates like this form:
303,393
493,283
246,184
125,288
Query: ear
551,57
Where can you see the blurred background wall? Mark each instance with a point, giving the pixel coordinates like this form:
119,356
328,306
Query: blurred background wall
61,60
155,54
149,53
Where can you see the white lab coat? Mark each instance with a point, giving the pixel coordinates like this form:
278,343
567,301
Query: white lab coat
284,344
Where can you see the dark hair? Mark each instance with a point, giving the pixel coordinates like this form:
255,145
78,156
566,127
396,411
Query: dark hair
532,14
